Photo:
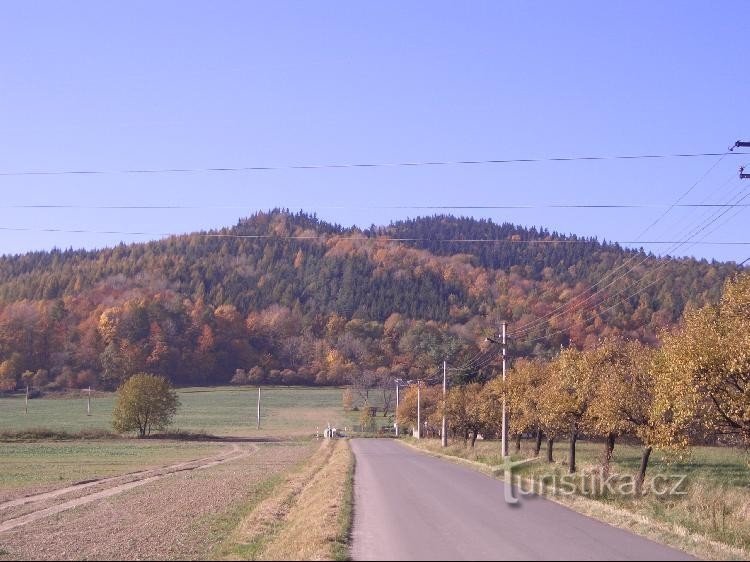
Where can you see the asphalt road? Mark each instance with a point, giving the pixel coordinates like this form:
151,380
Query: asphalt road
410,506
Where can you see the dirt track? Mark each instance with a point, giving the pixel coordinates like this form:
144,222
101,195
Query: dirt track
112,486
176,512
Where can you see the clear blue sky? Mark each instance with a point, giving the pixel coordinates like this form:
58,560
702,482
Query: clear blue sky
113,86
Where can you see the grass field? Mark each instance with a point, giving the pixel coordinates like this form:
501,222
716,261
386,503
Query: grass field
34,466
223,411
191,510
716,505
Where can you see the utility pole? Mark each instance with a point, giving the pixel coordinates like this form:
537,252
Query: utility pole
505,440
505,392
27,400
258,407
419,411
396,424
741,144
444,434
88,403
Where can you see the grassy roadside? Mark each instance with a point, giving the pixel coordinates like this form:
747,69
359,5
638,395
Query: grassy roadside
346,513
305,515
693,523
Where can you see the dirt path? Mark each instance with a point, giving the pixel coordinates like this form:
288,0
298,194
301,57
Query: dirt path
112,486
180,517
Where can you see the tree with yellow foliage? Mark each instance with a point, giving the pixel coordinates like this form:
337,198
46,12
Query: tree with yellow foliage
708,357
566,396
430,410
616,393
463,411
624,397
524,382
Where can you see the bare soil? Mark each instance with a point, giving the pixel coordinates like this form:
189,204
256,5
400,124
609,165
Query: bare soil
175,512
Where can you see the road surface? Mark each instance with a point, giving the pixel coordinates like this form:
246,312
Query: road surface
410,506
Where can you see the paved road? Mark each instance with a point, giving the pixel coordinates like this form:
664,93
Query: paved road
410,506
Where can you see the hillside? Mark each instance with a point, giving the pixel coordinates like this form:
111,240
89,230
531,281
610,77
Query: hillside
290,298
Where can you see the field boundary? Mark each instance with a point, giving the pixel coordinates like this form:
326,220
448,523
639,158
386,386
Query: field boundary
305,515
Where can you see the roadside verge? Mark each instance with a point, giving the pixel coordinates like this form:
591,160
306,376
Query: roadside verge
306,516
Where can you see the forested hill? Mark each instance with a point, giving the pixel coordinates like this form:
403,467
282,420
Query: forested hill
290,298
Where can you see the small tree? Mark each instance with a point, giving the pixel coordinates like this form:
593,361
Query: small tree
367,417
567,396
144,402
240,377
429,408
463,409
523,386
347,398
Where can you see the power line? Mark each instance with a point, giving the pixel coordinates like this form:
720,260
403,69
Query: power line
697,230
572,305
335,237
385,207
480,360
626,264
694,233
369,164
681,197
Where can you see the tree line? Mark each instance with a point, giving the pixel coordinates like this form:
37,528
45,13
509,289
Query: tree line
693,387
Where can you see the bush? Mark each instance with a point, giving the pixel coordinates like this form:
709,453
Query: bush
144,402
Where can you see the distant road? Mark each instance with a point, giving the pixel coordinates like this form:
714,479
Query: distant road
410,506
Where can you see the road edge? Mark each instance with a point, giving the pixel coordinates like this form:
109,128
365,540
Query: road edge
673,536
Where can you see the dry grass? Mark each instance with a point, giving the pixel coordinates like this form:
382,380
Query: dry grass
305,517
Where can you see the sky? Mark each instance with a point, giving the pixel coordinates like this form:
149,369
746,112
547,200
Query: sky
114,86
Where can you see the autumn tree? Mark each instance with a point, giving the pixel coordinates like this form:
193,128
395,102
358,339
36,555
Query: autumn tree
431,398
525,379
568,394
623,397
144,402
463,411
708,356
10,370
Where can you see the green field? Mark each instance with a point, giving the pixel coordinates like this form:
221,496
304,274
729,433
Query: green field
39,465
221,411
287,412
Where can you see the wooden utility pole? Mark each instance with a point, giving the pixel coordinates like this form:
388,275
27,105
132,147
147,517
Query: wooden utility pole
396,424
419,411
88,403
258,407
27,400
444,433
505,405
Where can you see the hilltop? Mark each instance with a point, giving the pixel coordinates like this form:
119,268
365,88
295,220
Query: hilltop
289,298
